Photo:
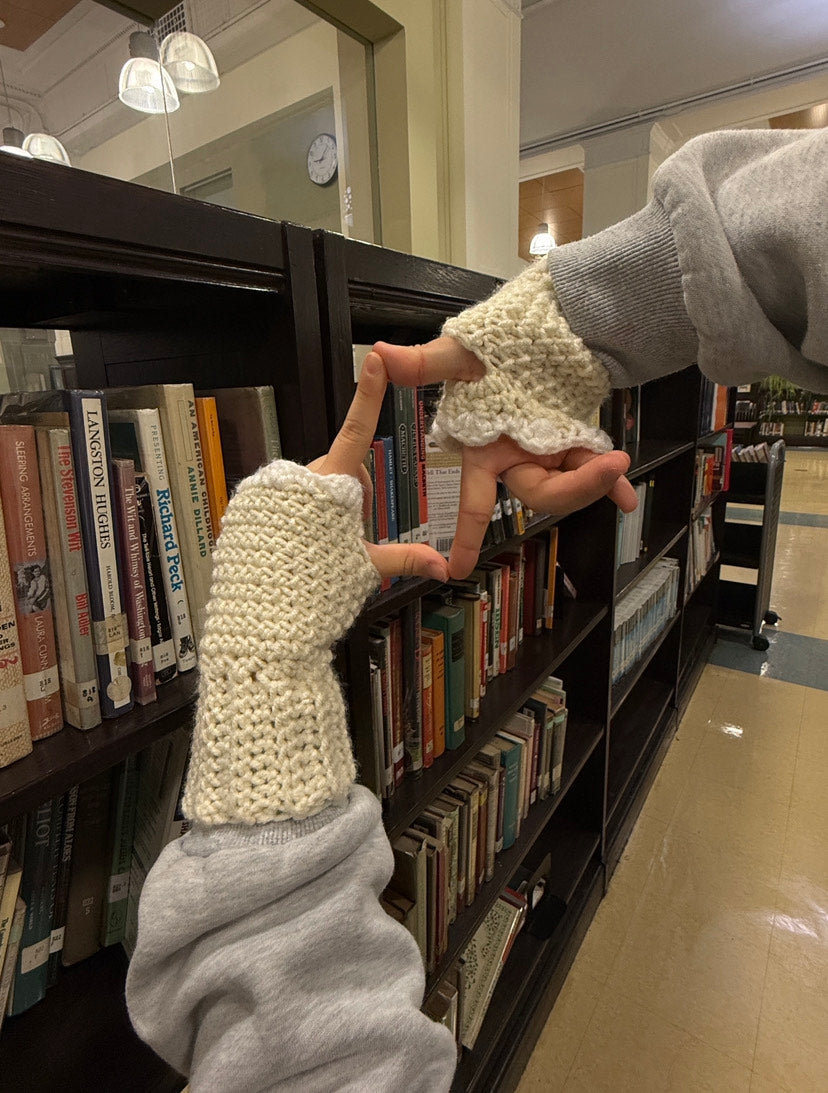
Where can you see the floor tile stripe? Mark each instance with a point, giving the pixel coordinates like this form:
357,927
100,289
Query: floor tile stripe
800,519
793,658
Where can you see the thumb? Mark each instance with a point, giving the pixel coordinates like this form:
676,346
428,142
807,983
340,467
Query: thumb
442,359
408,560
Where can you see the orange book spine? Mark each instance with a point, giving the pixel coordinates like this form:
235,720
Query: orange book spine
26,538
550,579
208,429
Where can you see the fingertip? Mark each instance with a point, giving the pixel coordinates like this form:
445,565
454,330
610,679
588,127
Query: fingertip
373,364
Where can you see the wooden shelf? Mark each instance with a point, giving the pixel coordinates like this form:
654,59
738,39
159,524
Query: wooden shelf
80,1037
630,735
505,694
72,756
663,540
585,739
649,454
705,503
622,688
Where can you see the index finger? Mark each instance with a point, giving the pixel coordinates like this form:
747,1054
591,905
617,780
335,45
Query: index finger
478,491
354,438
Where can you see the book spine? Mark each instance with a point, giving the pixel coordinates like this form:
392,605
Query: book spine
12,953
90,444
379,656
412,687
396,662
124,805
558,741
266,398
89,871
511,766
8,902
135,588
29,984
422,491
62,886
426,658
163,646
409,399
73,621
26,541
15,737
166,526
201,472
391,488
216,481
402,455
438,672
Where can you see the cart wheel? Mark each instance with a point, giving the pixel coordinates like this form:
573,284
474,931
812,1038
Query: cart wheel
761,643
771,618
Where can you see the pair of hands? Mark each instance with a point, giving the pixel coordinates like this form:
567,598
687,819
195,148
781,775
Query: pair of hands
559,484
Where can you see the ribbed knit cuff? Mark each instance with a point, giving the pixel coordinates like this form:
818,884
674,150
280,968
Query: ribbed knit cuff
621,292
541,385
290,573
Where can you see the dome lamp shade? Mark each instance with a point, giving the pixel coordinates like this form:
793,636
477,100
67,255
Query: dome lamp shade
189,62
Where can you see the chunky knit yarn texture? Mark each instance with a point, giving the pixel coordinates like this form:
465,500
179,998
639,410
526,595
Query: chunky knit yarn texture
541,385
290,573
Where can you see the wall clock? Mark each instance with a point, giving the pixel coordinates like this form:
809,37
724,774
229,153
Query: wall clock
322,159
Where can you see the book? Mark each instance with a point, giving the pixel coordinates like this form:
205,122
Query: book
443,472
484,956
391,666
147,448
420,461
492,776
15,737
378,652
491,756
87,417
412,712
39,849
61,901
248,427
121,834
468,601
449,621
458,804
89,871
161,771
427,702
410,879
163,646
442,818
436,643
511,756
552,557
131,556
70,591
187,482
12,952
214,473
8,903
5,857
26,543
559,721
396,421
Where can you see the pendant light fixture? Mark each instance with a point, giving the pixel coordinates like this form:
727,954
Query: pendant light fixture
12,136
542,241
42,146
144,85
189,62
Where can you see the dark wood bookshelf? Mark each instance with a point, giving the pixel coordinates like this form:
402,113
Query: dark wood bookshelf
158,288
583,742
505,694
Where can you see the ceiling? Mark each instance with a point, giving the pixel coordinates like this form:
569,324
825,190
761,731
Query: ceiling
28,20
589,63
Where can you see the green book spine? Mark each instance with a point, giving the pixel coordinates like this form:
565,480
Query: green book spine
124,805
450,620
510,758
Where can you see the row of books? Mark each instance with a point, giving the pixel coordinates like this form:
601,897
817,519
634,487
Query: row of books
448,854
641,615
702,548
431,663
713,411
73,868
750,453
816,428
772,428
461,999
745,410
712,472
110,506
634,527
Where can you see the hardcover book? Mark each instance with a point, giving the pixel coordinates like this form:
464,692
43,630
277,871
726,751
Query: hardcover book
26,541
92,456
249,429
484,957
450,621
15,737
70,591
89,871
130,550
163,646
214,473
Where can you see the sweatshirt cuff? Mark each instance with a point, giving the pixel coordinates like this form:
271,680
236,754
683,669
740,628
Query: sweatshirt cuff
621,292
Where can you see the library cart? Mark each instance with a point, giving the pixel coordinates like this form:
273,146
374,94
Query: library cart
752,546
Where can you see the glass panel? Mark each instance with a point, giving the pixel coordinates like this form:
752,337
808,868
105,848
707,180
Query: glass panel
287,133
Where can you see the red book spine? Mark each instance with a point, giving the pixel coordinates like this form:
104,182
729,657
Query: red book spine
130,558
397,699
485,615
26,537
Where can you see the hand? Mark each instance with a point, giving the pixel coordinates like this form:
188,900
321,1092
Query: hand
559,484
346,457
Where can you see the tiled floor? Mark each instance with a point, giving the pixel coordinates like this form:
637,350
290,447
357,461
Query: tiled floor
706,966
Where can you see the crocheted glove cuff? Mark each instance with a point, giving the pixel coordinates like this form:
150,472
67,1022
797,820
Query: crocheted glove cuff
290,573
541,385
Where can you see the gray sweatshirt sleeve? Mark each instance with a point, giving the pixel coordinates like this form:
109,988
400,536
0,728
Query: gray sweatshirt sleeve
726,267
265,962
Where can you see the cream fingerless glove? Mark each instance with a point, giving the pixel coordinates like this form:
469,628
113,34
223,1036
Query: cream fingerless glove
541,385
290,574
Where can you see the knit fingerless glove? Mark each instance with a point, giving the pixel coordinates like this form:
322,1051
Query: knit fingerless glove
541,385
290,574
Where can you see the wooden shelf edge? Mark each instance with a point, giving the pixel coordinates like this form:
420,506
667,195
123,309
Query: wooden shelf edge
662,706
652,559
651,454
